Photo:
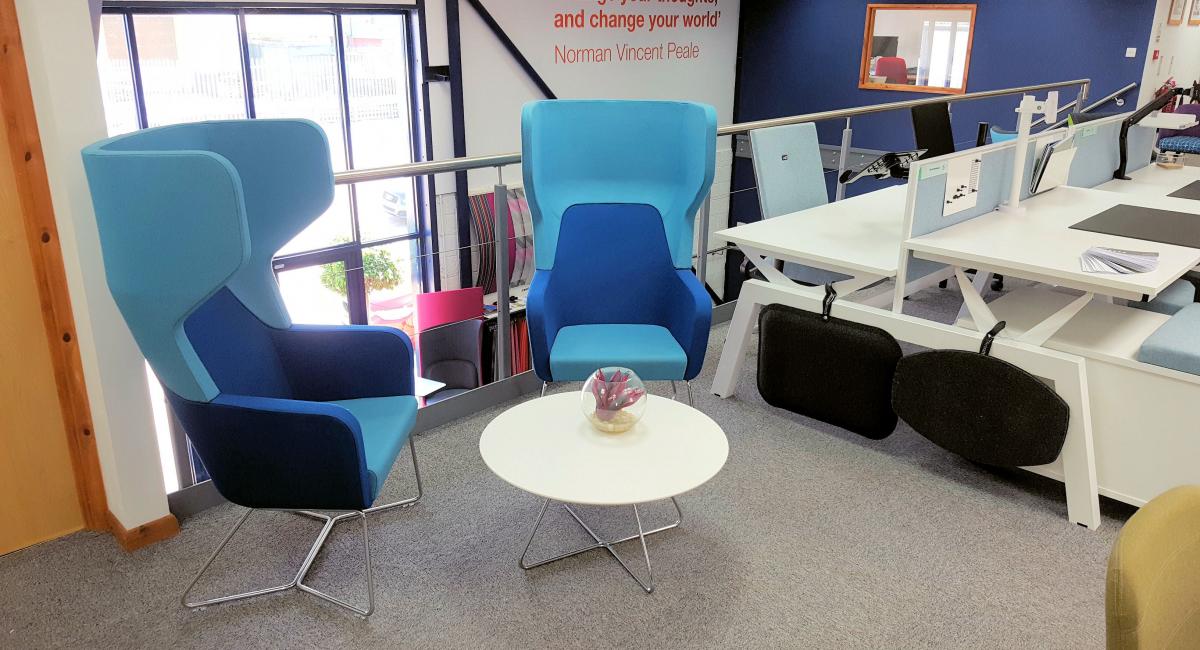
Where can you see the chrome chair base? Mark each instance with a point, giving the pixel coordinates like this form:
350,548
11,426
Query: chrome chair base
647,585
675,392
297,582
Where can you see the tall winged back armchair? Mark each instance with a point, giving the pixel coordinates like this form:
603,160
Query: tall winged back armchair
614,187
283,416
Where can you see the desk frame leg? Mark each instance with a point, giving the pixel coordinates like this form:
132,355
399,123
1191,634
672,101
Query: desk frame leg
647,585
745,315
737,342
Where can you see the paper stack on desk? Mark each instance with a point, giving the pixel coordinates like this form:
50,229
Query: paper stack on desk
1098,259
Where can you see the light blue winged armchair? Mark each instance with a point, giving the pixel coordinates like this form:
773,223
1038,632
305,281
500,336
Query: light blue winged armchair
283,416
614,187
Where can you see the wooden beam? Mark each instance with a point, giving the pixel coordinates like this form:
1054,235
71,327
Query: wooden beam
25,149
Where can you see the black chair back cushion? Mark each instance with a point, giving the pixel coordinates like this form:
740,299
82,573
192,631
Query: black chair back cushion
982,408
832,370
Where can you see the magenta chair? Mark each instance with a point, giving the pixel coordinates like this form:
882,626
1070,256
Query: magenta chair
892,67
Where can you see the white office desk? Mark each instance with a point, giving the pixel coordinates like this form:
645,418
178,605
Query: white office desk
1039,244
1153,180
855,236
859,237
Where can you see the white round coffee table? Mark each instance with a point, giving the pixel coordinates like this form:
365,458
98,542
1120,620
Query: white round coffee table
546,447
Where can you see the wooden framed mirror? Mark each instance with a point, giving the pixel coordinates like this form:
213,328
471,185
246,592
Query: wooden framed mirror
917,47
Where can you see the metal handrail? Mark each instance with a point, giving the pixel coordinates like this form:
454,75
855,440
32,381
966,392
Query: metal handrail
499,160
1103,100
892,106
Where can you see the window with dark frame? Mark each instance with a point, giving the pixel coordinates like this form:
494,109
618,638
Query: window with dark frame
355,71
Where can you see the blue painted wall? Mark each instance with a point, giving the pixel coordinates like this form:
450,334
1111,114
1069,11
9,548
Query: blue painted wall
802,56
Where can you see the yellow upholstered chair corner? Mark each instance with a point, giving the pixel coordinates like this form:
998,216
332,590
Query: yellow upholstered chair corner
1153,591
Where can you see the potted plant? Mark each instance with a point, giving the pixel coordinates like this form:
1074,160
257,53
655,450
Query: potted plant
380,273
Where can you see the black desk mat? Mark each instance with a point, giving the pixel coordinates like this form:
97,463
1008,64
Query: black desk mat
1190,191
1150,224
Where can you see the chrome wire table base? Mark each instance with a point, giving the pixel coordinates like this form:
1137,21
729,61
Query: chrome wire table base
647,585
297,582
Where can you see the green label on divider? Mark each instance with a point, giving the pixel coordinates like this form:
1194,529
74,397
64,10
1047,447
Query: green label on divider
1085,130
930,171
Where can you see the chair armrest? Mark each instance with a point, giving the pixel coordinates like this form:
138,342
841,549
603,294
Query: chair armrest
276,453
335,362
544,322
689,318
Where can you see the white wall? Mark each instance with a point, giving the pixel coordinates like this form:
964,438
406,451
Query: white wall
1179,53
61,55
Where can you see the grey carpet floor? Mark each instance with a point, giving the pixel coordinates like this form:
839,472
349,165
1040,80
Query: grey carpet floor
810,537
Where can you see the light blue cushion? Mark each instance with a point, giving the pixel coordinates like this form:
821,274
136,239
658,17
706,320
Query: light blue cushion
386,423
1176,344
1178,295
648,350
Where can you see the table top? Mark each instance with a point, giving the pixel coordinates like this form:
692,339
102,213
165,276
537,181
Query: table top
1153,180
546,447
423,387
861,234
1039,243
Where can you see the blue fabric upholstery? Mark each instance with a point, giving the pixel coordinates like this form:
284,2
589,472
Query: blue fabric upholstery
282,415
1178,295
1180,143
236,348
1177,343
629,281
385,423
214,202
658,153
168,250
614,187
277,453
1000,135
338,362
648,350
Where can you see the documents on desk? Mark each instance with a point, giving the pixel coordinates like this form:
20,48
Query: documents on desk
1099,259
1053,166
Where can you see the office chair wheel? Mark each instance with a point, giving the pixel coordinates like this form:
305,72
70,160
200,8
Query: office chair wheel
997,283
943,284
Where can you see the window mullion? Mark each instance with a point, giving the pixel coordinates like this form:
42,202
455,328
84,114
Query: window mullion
247,75
135,64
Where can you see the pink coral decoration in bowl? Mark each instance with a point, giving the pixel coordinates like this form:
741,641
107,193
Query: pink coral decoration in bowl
614,399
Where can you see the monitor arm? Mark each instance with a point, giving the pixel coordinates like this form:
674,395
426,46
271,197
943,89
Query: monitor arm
1140,114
